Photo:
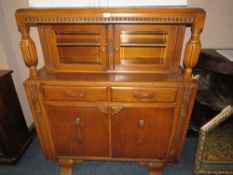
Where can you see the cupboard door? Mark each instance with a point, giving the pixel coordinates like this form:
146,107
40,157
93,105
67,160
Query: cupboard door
144,47
141,132
76,47
79,131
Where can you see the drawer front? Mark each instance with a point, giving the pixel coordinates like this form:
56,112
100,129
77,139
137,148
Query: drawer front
75,93
143,94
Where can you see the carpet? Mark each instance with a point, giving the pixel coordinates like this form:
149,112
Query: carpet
34,163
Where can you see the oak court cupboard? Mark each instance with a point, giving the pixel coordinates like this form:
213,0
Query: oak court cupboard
111,88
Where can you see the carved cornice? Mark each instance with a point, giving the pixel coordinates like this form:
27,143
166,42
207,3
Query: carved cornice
36,20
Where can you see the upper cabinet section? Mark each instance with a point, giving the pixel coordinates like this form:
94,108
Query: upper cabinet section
112,39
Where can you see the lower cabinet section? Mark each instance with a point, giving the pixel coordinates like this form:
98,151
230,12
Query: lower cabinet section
115,131
79,131
141,132
151,133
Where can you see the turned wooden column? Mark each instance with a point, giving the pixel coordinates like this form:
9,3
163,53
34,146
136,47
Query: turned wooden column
192,52
193,47
28,50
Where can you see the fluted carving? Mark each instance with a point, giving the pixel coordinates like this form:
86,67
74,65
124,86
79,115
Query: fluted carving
192,52
29,53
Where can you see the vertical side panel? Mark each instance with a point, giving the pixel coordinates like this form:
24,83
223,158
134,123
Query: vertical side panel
39,119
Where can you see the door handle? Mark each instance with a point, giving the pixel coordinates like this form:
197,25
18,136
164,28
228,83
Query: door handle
141,131
78,124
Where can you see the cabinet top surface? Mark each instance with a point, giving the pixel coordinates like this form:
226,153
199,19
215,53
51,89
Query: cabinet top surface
112,40
109,15
109,79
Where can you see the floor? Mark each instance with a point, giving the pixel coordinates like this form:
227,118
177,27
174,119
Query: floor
33,163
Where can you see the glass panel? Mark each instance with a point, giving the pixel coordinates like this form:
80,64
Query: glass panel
78,47
146,47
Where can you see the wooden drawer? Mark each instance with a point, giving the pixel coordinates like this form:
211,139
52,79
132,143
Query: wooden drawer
75,93
143,94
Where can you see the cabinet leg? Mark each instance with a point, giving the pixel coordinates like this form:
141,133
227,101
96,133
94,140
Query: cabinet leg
155,173
155,168
66,166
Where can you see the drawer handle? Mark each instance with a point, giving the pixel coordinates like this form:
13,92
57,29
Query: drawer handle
78,123
74,94
143,95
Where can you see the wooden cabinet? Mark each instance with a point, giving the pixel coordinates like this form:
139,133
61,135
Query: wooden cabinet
111,88
14,133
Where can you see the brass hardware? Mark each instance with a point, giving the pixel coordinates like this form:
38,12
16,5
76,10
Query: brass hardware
77,121
117,49
74,94
143,95
141,133
141,123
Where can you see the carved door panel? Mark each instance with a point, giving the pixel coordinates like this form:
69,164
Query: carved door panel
141,132
144,48
79,131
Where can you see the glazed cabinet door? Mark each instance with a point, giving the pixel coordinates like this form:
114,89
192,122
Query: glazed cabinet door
74,47
141,132
79,130
144,47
